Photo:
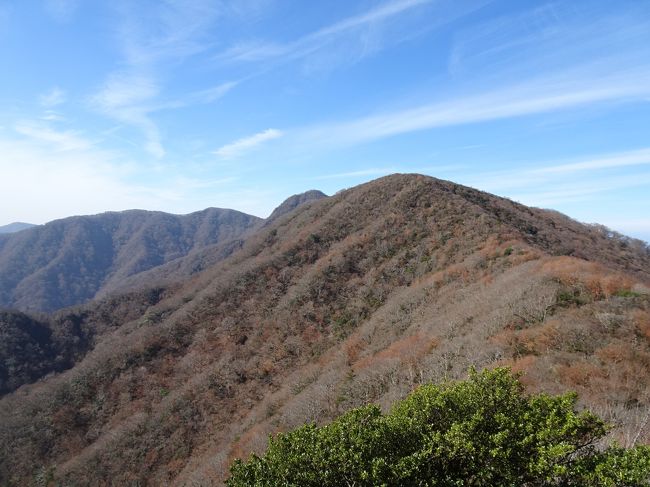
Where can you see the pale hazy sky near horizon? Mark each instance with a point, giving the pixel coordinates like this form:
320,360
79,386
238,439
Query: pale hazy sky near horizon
179,105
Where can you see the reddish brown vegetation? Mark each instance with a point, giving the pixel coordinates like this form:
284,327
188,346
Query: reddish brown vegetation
354,298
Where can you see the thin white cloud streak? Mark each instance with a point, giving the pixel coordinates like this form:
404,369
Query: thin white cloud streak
553,194
124,97
122,90
622,159
52,116
165,31
256,51
573,90
60,141
550,173
303,46
619,72
381,13
56,96
531,40
239,147
129,99
210,95
173,30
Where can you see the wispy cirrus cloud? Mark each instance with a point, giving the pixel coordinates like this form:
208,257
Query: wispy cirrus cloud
554,193
152,32
125,98
52,116
554,183
152,36
246,144
258,51
531,40
56,96
383,14
57,140
638,157
210,95
556,173
569,90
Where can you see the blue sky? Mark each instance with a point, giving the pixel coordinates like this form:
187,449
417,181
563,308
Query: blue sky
179,105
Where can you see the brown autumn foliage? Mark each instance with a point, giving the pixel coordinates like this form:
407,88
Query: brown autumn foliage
354,298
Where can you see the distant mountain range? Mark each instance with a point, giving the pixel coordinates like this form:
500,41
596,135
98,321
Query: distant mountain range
67,262
234,328
15,227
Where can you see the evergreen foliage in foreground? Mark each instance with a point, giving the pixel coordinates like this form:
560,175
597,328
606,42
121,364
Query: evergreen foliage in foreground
484,431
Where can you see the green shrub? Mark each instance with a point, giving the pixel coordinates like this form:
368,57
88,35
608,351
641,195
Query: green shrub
484,431
627,293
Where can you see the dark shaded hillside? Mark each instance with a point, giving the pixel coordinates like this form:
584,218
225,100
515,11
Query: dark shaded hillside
25,350
69,261
347,300
34,346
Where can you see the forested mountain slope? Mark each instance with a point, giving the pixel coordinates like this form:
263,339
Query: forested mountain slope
36,345
70,261
207,256
352,299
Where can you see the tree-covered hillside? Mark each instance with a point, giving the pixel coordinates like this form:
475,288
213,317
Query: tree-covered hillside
67,262
344,301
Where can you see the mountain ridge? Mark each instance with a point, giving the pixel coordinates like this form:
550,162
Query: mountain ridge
354,298
113,251
68,261
292,202
15,227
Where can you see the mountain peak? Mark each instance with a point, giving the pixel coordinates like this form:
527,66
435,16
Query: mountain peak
292,202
